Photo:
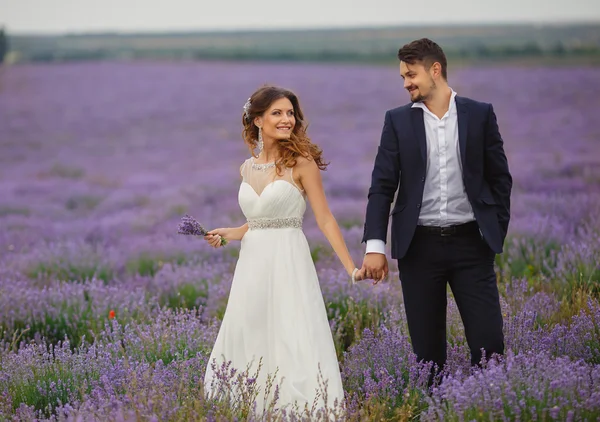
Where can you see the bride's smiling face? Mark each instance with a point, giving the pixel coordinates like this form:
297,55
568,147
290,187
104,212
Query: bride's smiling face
278,121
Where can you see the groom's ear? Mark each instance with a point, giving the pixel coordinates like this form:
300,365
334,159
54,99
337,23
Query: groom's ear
436,69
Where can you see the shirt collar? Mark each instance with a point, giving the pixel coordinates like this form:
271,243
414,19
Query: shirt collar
451,105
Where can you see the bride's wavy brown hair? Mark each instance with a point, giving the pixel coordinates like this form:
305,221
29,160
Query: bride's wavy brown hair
298,144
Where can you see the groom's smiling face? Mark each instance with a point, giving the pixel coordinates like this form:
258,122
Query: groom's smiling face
417,81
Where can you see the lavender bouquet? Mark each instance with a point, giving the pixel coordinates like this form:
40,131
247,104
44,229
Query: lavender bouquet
190,226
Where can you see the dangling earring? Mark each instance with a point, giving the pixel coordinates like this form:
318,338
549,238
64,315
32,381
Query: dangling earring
260,140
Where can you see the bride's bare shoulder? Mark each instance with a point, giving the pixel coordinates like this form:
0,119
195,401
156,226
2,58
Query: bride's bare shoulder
305,162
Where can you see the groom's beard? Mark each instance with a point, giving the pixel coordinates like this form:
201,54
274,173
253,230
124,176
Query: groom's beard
425,97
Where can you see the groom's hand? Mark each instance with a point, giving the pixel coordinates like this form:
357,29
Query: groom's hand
375,266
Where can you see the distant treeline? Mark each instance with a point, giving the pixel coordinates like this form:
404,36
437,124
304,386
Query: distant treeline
3,44
480,52
340,45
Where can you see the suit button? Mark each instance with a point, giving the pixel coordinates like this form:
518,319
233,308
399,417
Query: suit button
418,205
422,179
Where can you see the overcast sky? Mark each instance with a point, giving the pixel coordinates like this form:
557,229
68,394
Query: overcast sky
56,16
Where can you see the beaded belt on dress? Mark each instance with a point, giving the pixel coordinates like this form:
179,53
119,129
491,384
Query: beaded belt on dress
275,223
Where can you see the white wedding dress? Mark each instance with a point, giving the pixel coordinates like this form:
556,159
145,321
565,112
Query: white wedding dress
275,310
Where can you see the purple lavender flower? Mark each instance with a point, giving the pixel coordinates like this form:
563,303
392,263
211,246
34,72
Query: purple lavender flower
190,226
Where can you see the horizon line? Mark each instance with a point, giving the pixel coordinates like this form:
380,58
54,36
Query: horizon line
333,28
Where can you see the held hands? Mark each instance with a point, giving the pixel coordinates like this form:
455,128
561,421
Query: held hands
375,267
356,275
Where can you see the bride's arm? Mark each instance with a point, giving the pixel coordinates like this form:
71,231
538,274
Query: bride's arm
236,233
309,176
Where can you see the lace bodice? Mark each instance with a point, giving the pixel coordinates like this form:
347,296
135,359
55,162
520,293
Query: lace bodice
264,194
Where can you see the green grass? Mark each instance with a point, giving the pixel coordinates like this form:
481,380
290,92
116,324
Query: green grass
66,171
48,386
70,271
84,203
353,317
526,257
9,210
187,296
147,264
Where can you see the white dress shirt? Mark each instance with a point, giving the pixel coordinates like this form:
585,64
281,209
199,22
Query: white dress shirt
445,202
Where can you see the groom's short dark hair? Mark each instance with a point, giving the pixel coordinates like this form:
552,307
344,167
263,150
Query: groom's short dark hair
425,51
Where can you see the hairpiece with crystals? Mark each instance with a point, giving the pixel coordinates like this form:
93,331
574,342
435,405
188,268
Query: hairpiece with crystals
247,109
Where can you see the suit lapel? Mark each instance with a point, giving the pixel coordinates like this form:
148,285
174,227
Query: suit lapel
418,124
463,125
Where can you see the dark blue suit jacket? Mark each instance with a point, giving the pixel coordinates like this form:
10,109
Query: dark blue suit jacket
400,165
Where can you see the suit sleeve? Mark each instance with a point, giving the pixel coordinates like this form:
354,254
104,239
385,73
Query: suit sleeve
384,182
497,173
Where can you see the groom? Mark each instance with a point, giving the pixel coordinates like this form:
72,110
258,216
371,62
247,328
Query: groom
445,155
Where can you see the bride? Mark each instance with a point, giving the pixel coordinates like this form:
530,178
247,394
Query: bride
275,314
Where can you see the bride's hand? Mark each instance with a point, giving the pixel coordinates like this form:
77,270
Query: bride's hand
359,276
214,236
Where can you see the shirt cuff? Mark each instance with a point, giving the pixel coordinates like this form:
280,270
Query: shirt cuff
375,246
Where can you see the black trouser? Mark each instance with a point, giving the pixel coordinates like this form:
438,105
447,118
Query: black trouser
462,258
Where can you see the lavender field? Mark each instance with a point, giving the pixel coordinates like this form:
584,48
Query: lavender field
107,314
